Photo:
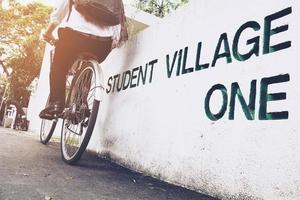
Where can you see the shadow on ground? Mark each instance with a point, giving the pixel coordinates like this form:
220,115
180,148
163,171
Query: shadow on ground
30,170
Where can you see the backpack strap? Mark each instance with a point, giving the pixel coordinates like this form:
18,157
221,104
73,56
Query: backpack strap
70,9
123,22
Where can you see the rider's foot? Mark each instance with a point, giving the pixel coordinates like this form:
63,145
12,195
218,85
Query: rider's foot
52,111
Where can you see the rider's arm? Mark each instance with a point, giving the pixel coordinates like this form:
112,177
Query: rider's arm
48,36
116,36
60,12
56,18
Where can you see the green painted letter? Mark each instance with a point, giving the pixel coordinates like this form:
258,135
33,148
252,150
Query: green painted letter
249,109
268,32
265,97
255,41
220,114
223,39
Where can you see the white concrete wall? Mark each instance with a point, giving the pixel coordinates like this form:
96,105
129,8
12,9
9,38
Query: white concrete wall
161,128
39,97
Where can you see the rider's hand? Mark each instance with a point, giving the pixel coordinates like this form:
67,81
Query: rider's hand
47,34
114,44
48,37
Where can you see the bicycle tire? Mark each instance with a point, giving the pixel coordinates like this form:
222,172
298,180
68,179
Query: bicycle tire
90,127
44,139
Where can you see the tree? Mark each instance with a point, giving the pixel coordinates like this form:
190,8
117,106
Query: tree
160,8
20,46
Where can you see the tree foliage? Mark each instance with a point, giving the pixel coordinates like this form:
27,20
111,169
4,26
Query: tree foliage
20,47
160,8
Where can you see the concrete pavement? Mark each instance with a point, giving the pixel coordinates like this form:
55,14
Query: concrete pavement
30,170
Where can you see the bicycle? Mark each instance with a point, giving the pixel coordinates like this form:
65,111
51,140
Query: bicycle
83,96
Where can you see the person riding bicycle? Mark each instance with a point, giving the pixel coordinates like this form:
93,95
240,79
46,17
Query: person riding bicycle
76,35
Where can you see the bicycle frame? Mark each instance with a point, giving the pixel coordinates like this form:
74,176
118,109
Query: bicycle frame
85,63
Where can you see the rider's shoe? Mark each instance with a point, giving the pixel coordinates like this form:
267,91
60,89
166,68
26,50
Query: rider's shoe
52,111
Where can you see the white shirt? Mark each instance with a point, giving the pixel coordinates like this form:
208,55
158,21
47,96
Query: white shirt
78,22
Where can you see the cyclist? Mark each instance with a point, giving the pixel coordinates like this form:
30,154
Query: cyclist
76,35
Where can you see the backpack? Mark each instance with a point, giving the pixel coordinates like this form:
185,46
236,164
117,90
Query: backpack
102,13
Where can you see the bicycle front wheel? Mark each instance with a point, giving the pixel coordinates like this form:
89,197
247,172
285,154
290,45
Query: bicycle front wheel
80,115
47,129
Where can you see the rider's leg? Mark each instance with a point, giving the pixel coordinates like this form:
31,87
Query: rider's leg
62,60
99,47
80,42
70,44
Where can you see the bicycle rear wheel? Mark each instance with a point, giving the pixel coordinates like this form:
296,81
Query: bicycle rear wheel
80,114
